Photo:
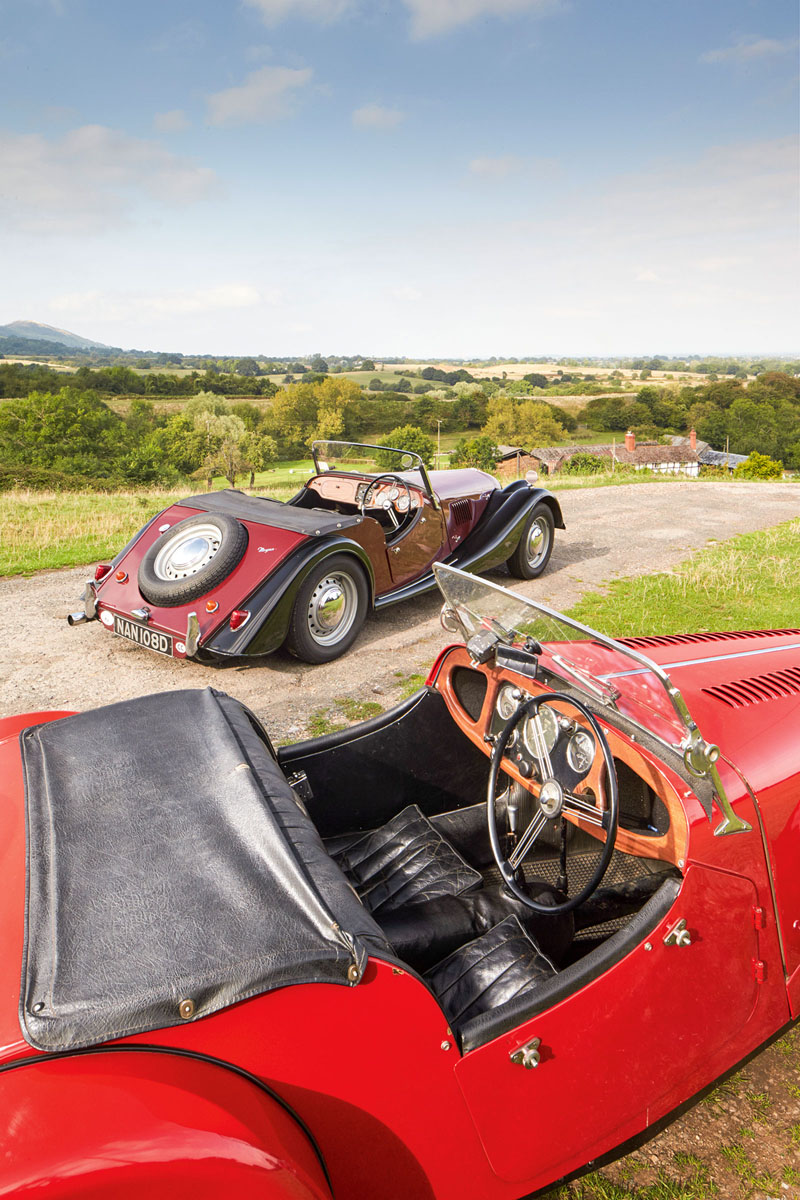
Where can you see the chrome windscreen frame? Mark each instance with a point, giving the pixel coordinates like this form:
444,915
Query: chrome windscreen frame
699,756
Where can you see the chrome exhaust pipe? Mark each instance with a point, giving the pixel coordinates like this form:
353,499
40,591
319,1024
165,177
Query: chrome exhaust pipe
77,618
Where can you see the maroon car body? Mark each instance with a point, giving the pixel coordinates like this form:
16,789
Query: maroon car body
227,574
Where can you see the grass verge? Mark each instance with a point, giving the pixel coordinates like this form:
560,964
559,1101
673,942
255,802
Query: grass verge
748,582
67,529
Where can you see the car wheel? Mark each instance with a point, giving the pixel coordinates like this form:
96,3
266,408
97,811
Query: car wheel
329,610
191,558
535,545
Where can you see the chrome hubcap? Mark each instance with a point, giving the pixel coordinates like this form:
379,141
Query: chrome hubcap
187,552
538,541
332,609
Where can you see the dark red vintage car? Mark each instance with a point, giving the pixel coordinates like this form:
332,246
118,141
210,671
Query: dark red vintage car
456,952
227,574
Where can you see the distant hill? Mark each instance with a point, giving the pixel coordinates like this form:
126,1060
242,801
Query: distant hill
34,332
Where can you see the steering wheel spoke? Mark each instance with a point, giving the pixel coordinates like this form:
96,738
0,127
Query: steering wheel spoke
554,799
535,827
577,806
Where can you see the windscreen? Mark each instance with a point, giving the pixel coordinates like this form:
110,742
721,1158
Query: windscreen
367,459
582,657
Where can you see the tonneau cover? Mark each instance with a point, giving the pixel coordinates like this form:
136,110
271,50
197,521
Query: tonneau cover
309,521
169,860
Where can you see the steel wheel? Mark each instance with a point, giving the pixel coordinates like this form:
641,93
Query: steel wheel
332,608
187,552
535,544
329,610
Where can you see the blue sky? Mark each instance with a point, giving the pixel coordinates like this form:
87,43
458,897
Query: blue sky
418,177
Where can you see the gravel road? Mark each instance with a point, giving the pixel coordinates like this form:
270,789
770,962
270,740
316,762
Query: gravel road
611,532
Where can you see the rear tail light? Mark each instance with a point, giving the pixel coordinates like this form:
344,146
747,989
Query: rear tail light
238,618
121,576
101,570
211,606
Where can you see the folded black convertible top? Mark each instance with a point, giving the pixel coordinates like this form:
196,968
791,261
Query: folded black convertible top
264,511
169,860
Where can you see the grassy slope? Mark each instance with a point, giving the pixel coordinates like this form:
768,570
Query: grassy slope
748,582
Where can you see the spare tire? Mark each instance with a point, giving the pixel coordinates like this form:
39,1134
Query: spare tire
191,558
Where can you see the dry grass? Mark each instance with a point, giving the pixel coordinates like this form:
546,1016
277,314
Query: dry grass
65,529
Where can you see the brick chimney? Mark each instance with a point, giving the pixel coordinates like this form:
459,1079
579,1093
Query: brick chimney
693,439
630,440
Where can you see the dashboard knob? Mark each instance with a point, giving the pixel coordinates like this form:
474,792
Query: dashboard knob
524,767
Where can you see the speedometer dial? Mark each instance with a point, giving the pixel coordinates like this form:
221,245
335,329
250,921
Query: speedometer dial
580,751
549,726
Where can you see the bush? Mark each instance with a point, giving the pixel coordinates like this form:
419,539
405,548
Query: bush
41,479
759,466
474,452
585,464
407,437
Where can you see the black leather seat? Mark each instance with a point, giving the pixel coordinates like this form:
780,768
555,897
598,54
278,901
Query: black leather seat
489,971
405,862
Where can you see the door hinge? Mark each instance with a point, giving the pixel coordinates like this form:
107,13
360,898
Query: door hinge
759,970
759,918
528,1055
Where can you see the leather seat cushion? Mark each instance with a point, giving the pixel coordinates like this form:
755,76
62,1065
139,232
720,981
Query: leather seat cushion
423,934
489,971
406,861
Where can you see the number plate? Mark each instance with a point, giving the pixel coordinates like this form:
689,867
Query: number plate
153,639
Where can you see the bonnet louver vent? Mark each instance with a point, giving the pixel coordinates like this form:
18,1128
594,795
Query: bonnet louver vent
774,686
460,512
685,639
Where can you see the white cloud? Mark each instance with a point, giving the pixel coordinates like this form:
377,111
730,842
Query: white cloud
91,179
93,305
431,17
173,121
375,116
322,11
647,276
266,95
750,48
495,168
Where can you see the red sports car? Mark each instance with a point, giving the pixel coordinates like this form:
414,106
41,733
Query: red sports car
454,953
227,574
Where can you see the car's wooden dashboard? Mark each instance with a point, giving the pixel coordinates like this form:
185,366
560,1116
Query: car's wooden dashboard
349,490
652,820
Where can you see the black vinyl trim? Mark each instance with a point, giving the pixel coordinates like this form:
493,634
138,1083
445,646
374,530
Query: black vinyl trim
149,1048
286,754
490,1025
271,602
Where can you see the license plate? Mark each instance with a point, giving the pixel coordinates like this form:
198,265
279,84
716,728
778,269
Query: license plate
153,639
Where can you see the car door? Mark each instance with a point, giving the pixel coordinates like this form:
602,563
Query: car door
413,553
628,1046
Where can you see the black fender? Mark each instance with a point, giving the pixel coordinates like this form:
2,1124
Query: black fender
497,533
270,604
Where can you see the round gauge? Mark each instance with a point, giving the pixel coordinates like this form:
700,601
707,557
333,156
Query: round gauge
393,493
549,724
402,503
580,751
508,701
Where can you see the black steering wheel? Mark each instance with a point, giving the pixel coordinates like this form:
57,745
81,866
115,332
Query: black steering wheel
552,802
387,505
